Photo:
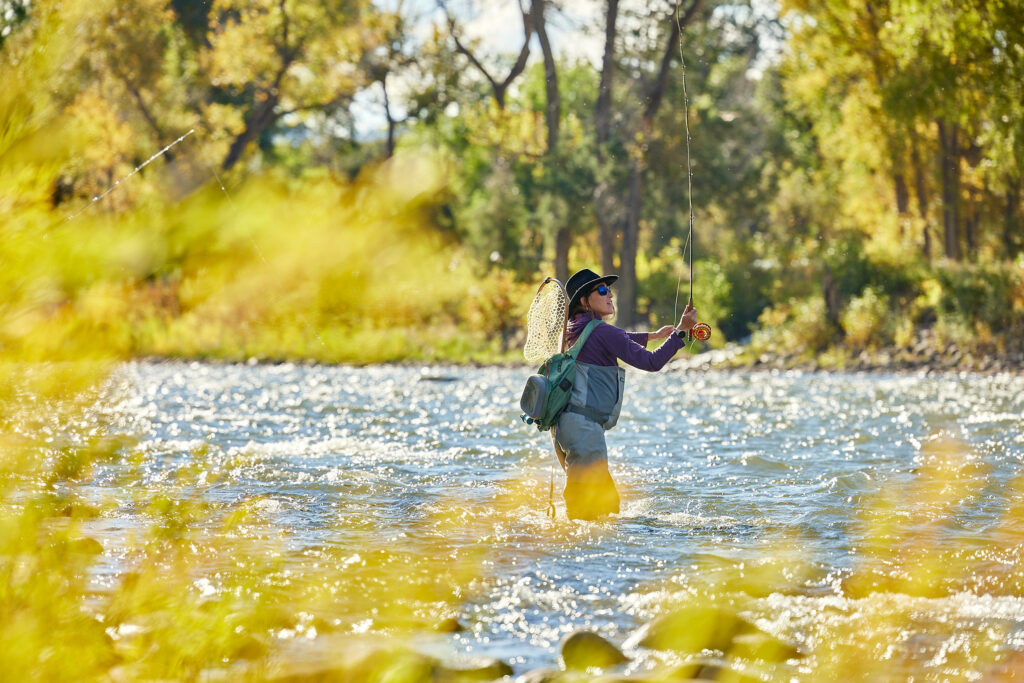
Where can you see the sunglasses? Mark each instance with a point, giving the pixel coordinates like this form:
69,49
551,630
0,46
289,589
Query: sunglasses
601,289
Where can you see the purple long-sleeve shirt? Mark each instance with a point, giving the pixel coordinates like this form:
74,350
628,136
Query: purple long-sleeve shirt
607,344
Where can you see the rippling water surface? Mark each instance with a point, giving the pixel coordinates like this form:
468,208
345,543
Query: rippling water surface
716,470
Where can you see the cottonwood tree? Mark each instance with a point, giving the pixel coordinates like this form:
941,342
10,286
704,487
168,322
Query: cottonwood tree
925,97
550,163
271,58
232,74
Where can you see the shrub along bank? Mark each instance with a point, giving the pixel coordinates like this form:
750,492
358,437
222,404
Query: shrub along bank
877,315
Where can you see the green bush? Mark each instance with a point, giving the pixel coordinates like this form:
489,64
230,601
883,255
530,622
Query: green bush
734,293
864,320
975,293
853,270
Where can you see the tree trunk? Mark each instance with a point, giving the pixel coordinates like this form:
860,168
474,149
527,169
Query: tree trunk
606,236
391,120
553,111
971,226
563,240
922,200
1011,218
627,314
949,160
603,107
833,298
552,117
902,194
902,201
603,195
955,174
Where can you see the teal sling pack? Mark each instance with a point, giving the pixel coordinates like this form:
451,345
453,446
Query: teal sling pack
547,393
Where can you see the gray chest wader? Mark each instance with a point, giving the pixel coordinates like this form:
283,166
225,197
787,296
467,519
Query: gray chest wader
580,444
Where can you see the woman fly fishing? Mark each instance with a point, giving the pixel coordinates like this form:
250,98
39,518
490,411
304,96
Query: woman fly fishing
597,392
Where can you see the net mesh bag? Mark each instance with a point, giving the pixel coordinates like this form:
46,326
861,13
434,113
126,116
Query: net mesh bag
545,323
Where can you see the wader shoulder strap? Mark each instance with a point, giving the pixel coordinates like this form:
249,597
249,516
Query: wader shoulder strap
588,413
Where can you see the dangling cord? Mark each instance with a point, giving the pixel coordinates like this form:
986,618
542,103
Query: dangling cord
551,495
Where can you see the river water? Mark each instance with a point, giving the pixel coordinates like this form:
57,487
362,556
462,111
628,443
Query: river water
839,486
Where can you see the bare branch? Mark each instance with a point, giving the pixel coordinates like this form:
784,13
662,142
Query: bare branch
133,90
524,53
499,89
338,99
463,50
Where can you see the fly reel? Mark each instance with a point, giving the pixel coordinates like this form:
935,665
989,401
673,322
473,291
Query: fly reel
701,332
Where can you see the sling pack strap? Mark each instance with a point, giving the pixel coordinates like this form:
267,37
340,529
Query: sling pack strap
574,350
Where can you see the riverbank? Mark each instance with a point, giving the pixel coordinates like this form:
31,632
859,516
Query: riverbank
926,356
734,357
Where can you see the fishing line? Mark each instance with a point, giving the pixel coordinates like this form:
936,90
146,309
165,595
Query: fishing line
679,281
136,170
551,496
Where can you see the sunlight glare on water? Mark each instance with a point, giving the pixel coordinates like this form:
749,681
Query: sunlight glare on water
716,471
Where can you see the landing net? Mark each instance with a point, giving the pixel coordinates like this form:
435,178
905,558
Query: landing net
545,323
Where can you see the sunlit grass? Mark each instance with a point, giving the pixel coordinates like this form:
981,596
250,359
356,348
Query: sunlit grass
327,273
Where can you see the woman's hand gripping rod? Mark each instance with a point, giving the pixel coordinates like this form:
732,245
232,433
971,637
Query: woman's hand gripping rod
693,329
